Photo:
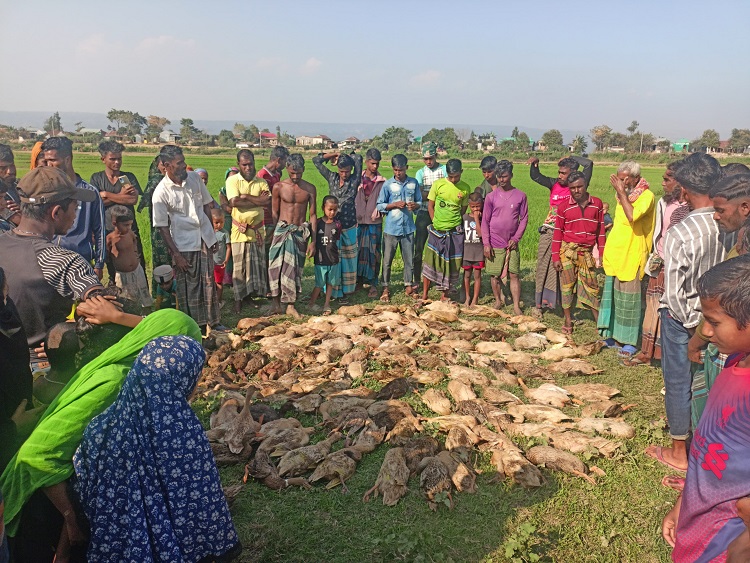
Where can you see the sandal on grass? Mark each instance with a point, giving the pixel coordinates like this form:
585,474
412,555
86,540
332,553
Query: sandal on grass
673,482
386,297
373,293
626,352
636,360
657,453
326,310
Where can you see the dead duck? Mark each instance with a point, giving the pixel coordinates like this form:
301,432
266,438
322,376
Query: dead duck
557,460
261,469
242,424
433,480
392,478
546,394
395,389
337,467
350,421
369,438
416,449
226,413
296,462
463,477
285,440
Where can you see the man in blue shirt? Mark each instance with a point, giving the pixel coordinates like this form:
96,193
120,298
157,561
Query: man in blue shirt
87,236
399,199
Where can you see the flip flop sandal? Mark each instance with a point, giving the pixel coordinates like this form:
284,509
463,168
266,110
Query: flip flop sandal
673,482
386,297
326,311
657,453
626,352
635,361
373,293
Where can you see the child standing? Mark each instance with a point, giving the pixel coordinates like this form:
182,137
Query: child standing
505,216
122,244
608,222
166,291
473,259
327,270
223,252
709,521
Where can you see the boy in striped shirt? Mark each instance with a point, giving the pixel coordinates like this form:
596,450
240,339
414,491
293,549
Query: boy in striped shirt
579,225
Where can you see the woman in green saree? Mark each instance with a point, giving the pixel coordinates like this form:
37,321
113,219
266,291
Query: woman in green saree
44,461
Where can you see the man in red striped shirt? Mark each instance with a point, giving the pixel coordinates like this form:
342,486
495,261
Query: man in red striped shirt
578,227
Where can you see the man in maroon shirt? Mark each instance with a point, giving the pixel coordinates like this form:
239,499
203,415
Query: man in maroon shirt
271,173
579,225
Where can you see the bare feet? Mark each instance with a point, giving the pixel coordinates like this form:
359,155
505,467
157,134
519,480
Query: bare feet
373,293
386,297
499,304
237,307
517,310
292,312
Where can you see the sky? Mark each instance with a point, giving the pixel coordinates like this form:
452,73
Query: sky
677,67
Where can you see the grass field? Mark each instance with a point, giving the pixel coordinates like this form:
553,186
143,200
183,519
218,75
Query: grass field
567,520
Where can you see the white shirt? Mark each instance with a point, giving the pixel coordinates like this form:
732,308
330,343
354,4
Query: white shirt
180,207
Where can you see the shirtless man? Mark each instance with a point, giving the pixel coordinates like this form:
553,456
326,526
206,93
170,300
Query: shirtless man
289,205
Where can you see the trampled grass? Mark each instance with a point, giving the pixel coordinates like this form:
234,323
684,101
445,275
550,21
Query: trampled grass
566,520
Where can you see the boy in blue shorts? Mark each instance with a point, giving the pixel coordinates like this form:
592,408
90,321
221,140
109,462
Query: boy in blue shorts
711,517
327,263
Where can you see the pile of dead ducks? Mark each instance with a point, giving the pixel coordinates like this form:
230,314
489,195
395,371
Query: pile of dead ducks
432,383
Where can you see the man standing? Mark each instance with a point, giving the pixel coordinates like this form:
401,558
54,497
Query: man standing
370,223
12,212
89,223
117,188
504,220
579,226
426,176
290,203
248,195
691,248
399,198
487,166
271,173
182,213
547,278
343,186
624,260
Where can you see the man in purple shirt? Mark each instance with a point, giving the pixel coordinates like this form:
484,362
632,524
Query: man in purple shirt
504,220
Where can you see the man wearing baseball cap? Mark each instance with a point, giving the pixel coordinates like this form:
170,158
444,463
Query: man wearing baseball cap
44,280
426,176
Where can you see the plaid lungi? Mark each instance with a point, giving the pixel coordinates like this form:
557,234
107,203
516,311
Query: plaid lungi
703,380
578,276
651,340
196,292
369,239
442,257
348,262
620,312
287,260
250,272
547,281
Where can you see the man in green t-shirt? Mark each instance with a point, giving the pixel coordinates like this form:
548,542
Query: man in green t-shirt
447,202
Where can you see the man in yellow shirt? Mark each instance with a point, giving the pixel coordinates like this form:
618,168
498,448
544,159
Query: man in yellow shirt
624,261
248,195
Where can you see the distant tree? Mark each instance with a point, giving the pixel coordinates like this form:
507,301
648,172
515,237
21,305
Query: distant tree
618,139
135,123
553,139
633,127
515,133
53,124
523,142
287,140
665,145
118,117
78,125
600,136
708,140
226,138
395,138
579,144
239,130
637,143
473,141
188,130
252,133
740,139
278,133
444,138
155,125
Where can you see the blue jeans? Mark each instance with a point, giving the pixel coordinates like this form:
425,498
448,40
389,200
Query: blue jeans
678,377
390,243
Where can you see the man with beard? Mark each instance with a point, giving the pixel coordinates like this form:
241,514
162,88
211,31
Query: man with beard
547,278
10,201
290,203
182,213
670,210
117,188
248,195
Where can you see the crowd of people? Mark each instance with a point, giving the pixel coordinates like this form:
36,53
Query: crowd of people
111,462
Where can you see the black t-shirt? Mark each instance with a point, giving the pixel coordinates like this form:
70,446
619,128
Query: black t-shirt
326,243
473,248
100,181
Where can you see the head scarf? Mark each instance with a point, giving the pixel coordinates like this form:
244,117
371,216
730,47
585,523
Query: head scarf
35,154
154,177
230,170
199,170
429,149
46,457
146,477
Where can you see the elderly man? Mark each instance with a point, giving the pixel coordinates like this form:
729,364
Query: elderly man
426,176
670,210
343,185
370,223
248,195
547,278
182,213
116,188
624,259
87,236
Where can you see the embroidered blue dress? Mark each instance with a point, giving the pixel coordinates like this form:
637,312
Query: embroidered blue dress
145,473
